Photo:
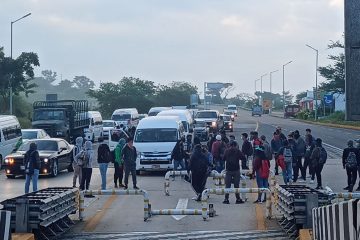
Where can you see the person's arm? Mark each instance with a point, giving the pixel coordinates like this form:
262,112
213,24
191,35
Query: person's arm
37,159
241,156
344,157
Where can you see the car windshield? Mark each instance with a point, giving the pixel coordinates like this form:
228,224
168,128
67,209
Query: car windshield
41,145
108,124
232,108
43,114
226,118
121,117
228,113
156,135
151,114
29,134
206,115
200,124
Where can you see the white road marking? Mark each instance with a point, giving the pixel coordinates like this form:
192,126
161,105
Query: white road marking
182,204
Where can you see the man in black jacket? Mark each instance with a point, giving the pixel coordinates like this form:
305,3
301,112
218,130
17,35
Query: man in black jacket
32,167
350,161
129,155
232,157
246,149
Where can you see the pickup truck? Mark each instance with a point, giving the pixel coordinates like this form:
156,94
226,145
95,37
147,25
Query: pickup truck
212,119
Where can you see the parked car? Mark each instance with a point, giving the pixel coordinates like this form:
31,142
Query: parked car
228,125
201,130
233,109
55,154
230,113
107,126
95,129
155,110
114,137
143,115
212,119
28,134
10,136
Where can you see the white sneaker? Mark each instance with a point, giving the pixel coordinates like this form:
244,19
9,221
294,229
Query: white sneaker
302,181
312,181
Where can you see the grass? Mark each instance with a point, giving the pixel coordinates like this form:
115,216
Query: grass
337,118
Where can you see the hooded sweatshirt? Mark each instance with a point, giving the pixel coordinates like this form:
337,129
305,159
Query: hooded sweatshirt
33,155
78,149
118,151
89,155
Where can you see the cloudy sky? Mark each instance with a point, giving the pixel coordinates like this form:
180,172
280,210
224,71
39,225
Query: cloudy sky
197,41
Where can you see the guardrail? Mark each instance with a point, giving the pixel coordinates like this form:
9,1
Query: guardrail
339,221
114,192
223,191
45,212
167,179
5,229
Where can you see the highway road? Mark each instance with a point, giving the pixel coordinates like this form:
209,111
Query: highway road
121,217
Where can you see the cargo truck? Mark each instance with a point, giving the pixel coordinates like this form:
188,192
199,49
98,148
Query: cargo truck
65,119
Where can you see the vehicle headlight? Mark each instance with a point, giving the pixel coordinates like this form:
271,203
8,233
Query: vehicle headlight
140,155
46,160
213,124
6,160
230,123
232,116
9,160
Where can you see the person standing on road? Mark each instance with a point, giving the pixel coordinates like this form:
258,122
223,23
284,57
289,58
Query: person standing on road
267,148
281,135
318,159
103,161
211,140
178,155
262,169
299,154
309,145
198,166
87,166
247,150
217,150
232,158
350,161
285,160
129,155
358,147
224,138
32,167
119,163
78,157
276,144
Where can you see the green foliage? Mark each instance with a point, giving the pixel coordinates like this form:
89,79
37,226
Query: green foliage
336,116
299,96
304,115
334,73
19,72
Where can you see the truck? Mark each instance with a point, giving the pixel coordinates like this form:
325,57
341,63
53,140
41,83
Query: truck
266,106
65,119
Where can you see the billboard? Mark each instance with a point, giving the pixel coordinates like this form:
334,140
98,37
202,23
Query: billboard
214,86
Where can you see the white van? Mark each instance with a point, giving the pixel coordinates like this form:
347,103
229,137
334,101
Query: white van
155,139
233,109
126,116
155,110
184,116
10,135
95,130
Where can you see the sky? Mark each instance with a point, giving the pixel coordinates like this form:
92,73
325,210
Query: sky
197,41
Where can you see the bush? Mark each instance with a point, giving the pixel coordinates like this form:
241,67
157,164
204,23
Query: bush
304,115
336,116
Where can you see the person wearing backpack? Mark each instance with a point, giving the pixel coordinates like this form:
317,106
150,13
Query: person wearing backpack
232,158
298,155
32,166
276,144
350,160
286,154
267,148
318,160
103,159
309,147
87,166
247,150
218,150
261,166
119,163
78,156
358,147
199,170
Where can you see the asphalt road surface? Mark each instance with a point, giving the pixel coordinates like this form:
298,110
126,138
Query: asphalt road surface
121,217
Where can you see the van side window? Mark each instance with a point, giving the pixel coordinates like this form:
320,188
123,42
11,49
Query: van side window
12,132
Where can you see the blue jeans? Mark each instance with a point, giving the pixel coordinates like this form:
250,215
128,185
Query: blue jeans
178,163
287,172
220,165
262,183
34,178
103,169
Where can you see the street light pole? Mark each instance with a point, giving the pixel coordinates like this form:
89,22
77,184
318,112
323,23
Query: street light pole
255,83
284,84
271,79
316,80
262,81
11,56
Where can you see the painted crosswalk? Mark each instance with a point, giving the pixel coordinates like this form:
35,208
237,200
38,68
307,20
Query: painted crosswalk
227,235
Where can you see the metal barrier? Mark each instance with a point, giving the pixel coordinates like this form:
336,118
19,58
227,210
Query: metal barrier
45,212
339,221
223,191
5,229
167,179
115,192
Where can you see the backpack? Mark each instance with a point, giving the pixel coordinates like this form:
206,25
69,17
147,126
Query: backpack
288,157
323,156
265,169
351,161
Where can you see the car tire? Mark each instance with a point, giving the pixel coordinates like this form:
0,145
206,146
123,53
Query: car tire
11,176
55,168
138,172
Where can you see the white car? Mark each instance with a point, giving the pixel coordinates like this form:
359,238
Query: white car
107,126
28,134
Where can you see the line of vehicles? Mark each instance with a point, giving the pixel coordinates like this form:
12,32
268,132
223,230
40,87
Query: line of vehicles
57,123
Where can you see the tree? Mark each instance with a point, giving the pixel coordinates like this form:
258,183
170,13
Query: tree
300,96
334,73
49,75
178,93
19,72
83,82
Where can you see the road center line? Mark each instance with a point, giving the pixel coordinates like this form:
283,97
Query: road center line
182,204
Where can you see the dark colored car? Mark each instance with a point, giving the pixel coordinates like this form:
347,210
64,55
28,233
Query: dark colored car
291,110
55,154
201,130
228,125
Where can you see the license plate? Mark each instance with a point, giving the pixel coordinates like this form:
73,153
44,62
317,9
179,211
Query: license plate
22,167
155,166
